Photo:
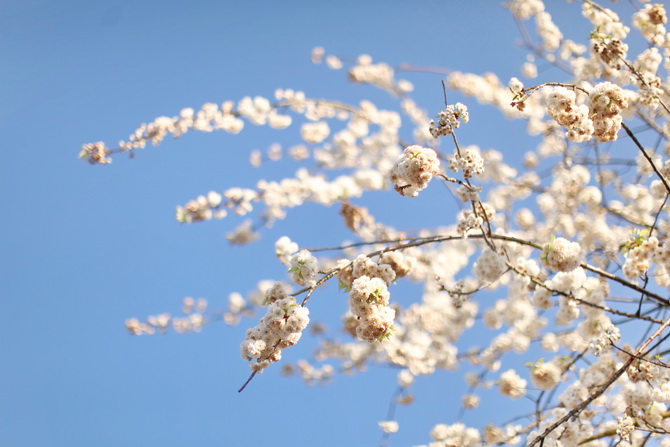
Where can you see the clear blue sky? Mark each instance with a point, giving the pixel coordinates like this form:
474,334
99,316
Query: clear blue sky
85,247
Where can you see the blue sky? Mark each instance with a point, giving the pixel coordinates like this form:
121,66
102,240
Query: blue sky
86,247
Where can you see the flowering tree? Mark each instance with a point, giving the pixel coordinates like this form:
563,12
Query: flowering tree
574,247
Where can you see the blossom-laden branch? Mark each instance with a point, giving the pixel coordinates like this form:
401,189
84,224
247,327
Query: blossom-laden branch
574,246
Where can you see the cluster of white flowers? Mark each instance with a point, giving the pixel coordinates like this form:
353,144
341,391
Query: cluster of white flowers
309,373
468,193
380,74
489,266
389,426
515,85
414,169
315,133
280,328
511,385
561,255
561,106
449,119
469,219
651,21
467,160
304,268
210,117
192,321
285,248
371,318
605,21
525,9
639,256
95,153
625,426
548,31
545,375
606,102
611,51
368,301
454,435
610,334
237,200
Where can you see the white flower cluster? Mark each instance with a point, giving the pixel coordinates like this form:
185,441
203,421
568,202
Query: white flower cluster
601,119
548,31
413,169
561,107
95,153
468,160
237,200
368,301
651,21
389,427
315,133
639,256
625,424
284,249
606,21
192,321
469,193
210,117
309,373
371,318
609,335
380,74
561,255
606,102
280,328
489,266
525,9
511,385
449,119
454,435
515,85
364,266
545,375
304,268
468,219
611,51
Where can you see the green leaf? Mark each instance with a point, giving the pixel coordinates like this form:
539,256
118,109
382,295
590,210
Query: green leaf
345,286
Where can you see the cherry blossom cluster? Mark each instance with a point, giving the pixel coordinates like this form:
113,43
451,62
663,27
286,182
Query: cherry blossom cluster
489,266
280,328
193,320
449,119
468,161
606,102
651,21
561,255
304,268
371,319
639,255
561,106
413,169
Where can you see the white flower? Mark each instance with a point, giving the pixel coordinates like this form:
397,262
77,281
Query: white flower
413,169
389,426
562,255
510,384
545,376
304,268
315,132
